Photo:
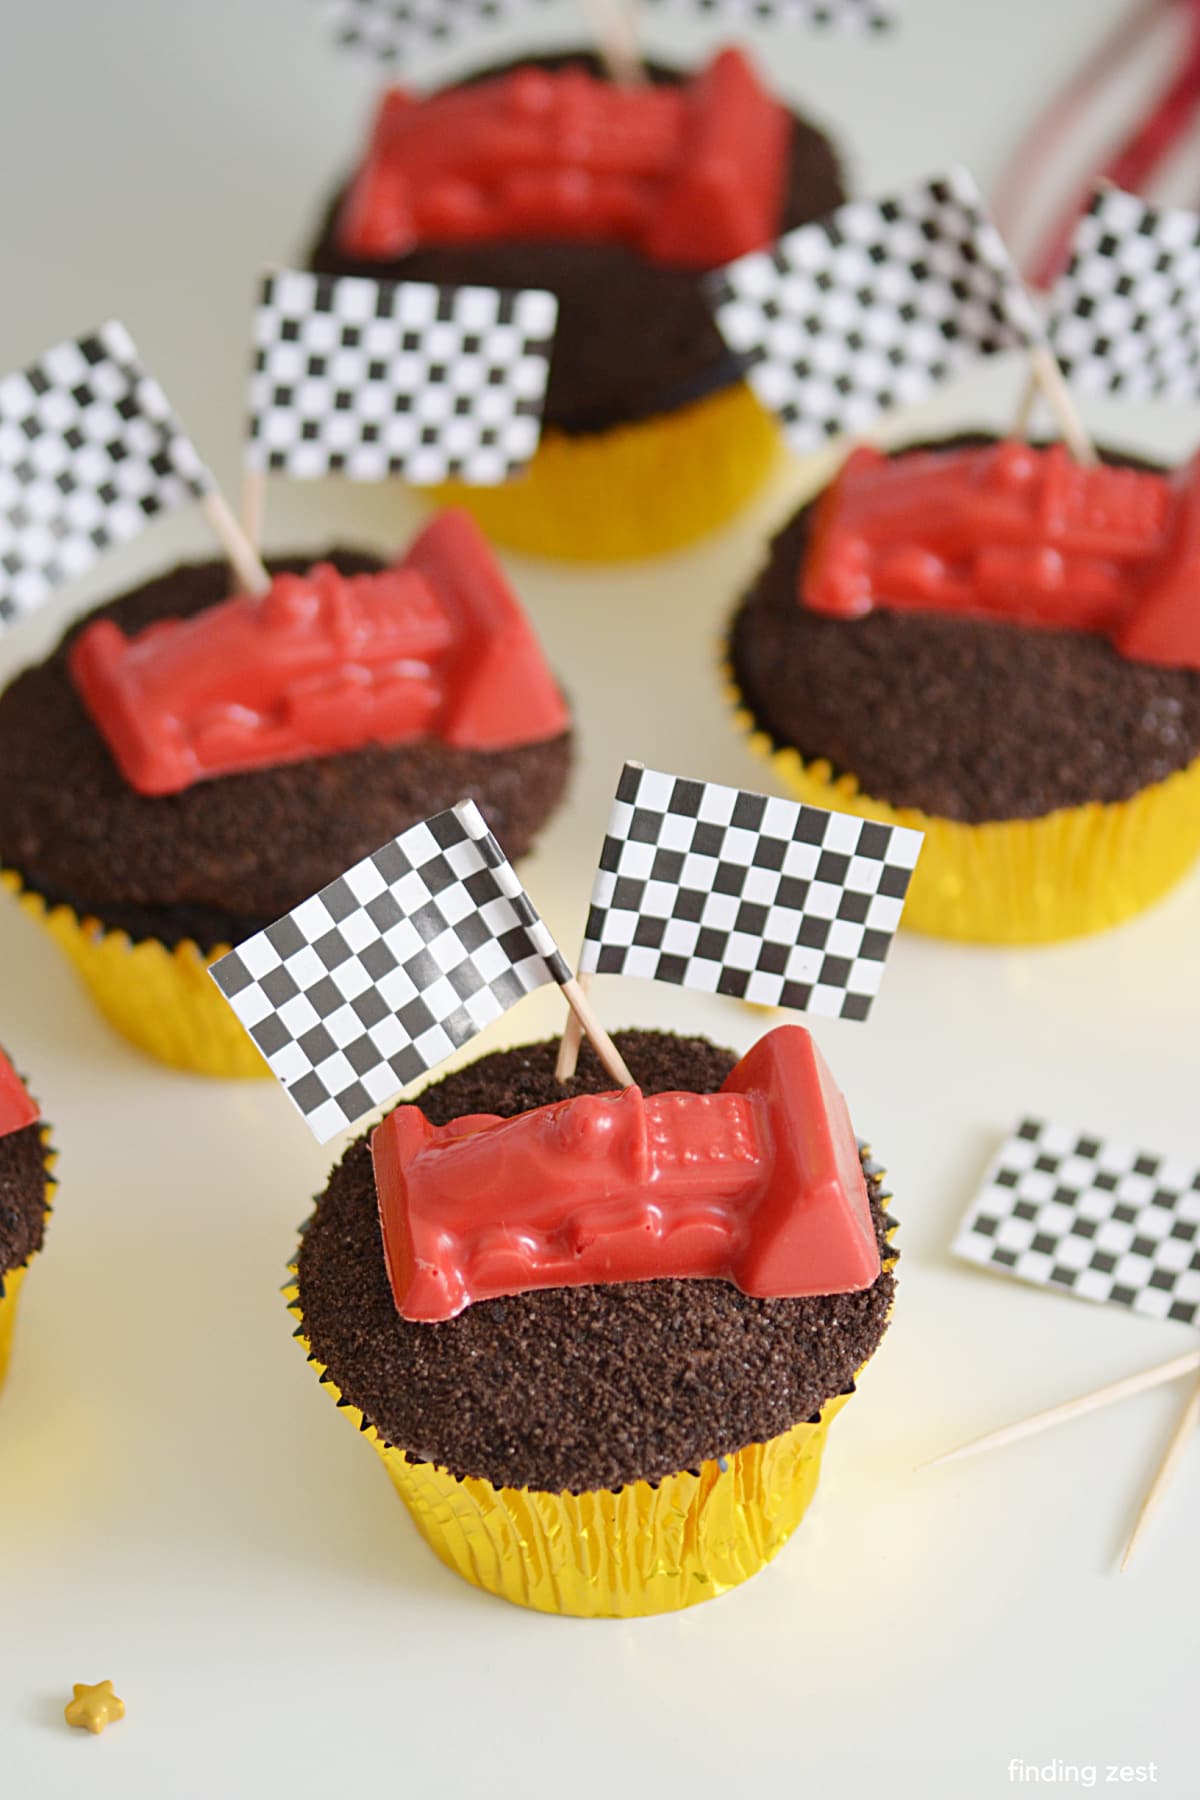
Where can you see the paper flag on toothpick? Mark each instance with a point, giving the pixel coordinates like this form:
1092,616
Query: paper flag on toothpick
385,972
390,30
1125,316
866,309
830,15
1100,1220
90,451
743,894
376,378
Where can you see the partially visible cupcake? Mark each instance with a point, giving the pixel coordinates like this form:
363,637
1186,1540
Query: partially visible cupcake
544,174
203,808
608,1445
25,1189
1052,763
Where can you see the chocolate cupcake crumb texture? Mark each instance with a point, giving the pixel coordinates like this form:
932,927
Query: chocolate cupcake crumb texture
218,861
22,1197
573,1388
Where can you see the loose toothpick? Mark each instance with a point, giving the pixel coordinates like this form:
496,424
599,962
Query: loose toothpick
1046,378
243,558
1108,1395
583,1018
1163,1474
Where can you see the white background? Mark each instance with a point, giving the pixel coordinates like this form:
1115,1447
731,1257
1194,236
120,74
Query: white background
181,1509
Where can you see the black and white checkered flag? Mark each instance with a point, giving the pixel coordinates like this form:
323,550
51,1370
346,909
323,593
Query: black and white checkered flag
829,15
386,971
1125,315
89,452
736,893
376,378
1102,1221
390,30
869,307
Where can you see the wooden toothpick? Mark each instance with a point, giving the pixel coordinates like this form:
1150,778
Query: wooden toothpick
242,556
615,29
572,1037
254,504
1074,1409
583,1018
1024,415
1046,378
1163,1474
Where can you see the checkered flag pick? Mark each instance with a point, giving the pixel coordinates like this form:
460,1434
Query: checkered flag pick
737,893
1100,1220
389,30
868,308
376,378
1125,315
89,452
386,971
829,15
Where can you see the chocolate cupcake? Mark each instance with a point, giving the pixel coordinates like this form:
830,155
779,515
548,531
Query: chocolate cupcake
566,1436
651,438
25,1188
989,663
167,788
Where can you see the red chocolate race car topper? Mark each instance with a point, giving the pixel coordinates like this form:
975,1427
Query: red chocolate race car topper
1020,534
691,175
760,1184
17,1109
437,646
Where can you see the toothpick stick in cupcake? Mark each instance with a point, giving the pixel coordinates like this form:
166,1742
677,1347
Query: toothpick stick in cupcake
759,898
373,379
615,34
392,967
90,451
867,309
1102,1221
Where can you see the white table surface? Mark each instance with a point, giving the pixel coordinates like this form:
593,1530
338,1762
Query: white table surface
181,1509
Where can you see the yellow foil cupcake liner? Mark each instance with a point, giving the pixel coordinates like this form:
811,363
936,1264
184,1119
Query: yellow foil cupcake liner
633,491
161,999
8,1314
626,1553
1019,881
12,1281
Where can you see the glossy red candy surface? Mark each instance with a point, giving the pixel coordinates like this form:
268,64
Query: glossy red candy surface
760,1184
16,1108
1020,534
437,646
691,175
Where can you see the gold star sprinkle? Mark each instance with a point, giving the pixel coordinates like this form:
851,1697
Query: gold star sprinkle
94,1707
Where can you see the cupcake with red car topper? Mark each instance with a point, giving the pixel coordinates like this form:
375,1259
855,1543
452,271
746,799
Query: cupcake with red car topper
1106,1222
187,764
614,186
596,1327
25,1189
995,642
